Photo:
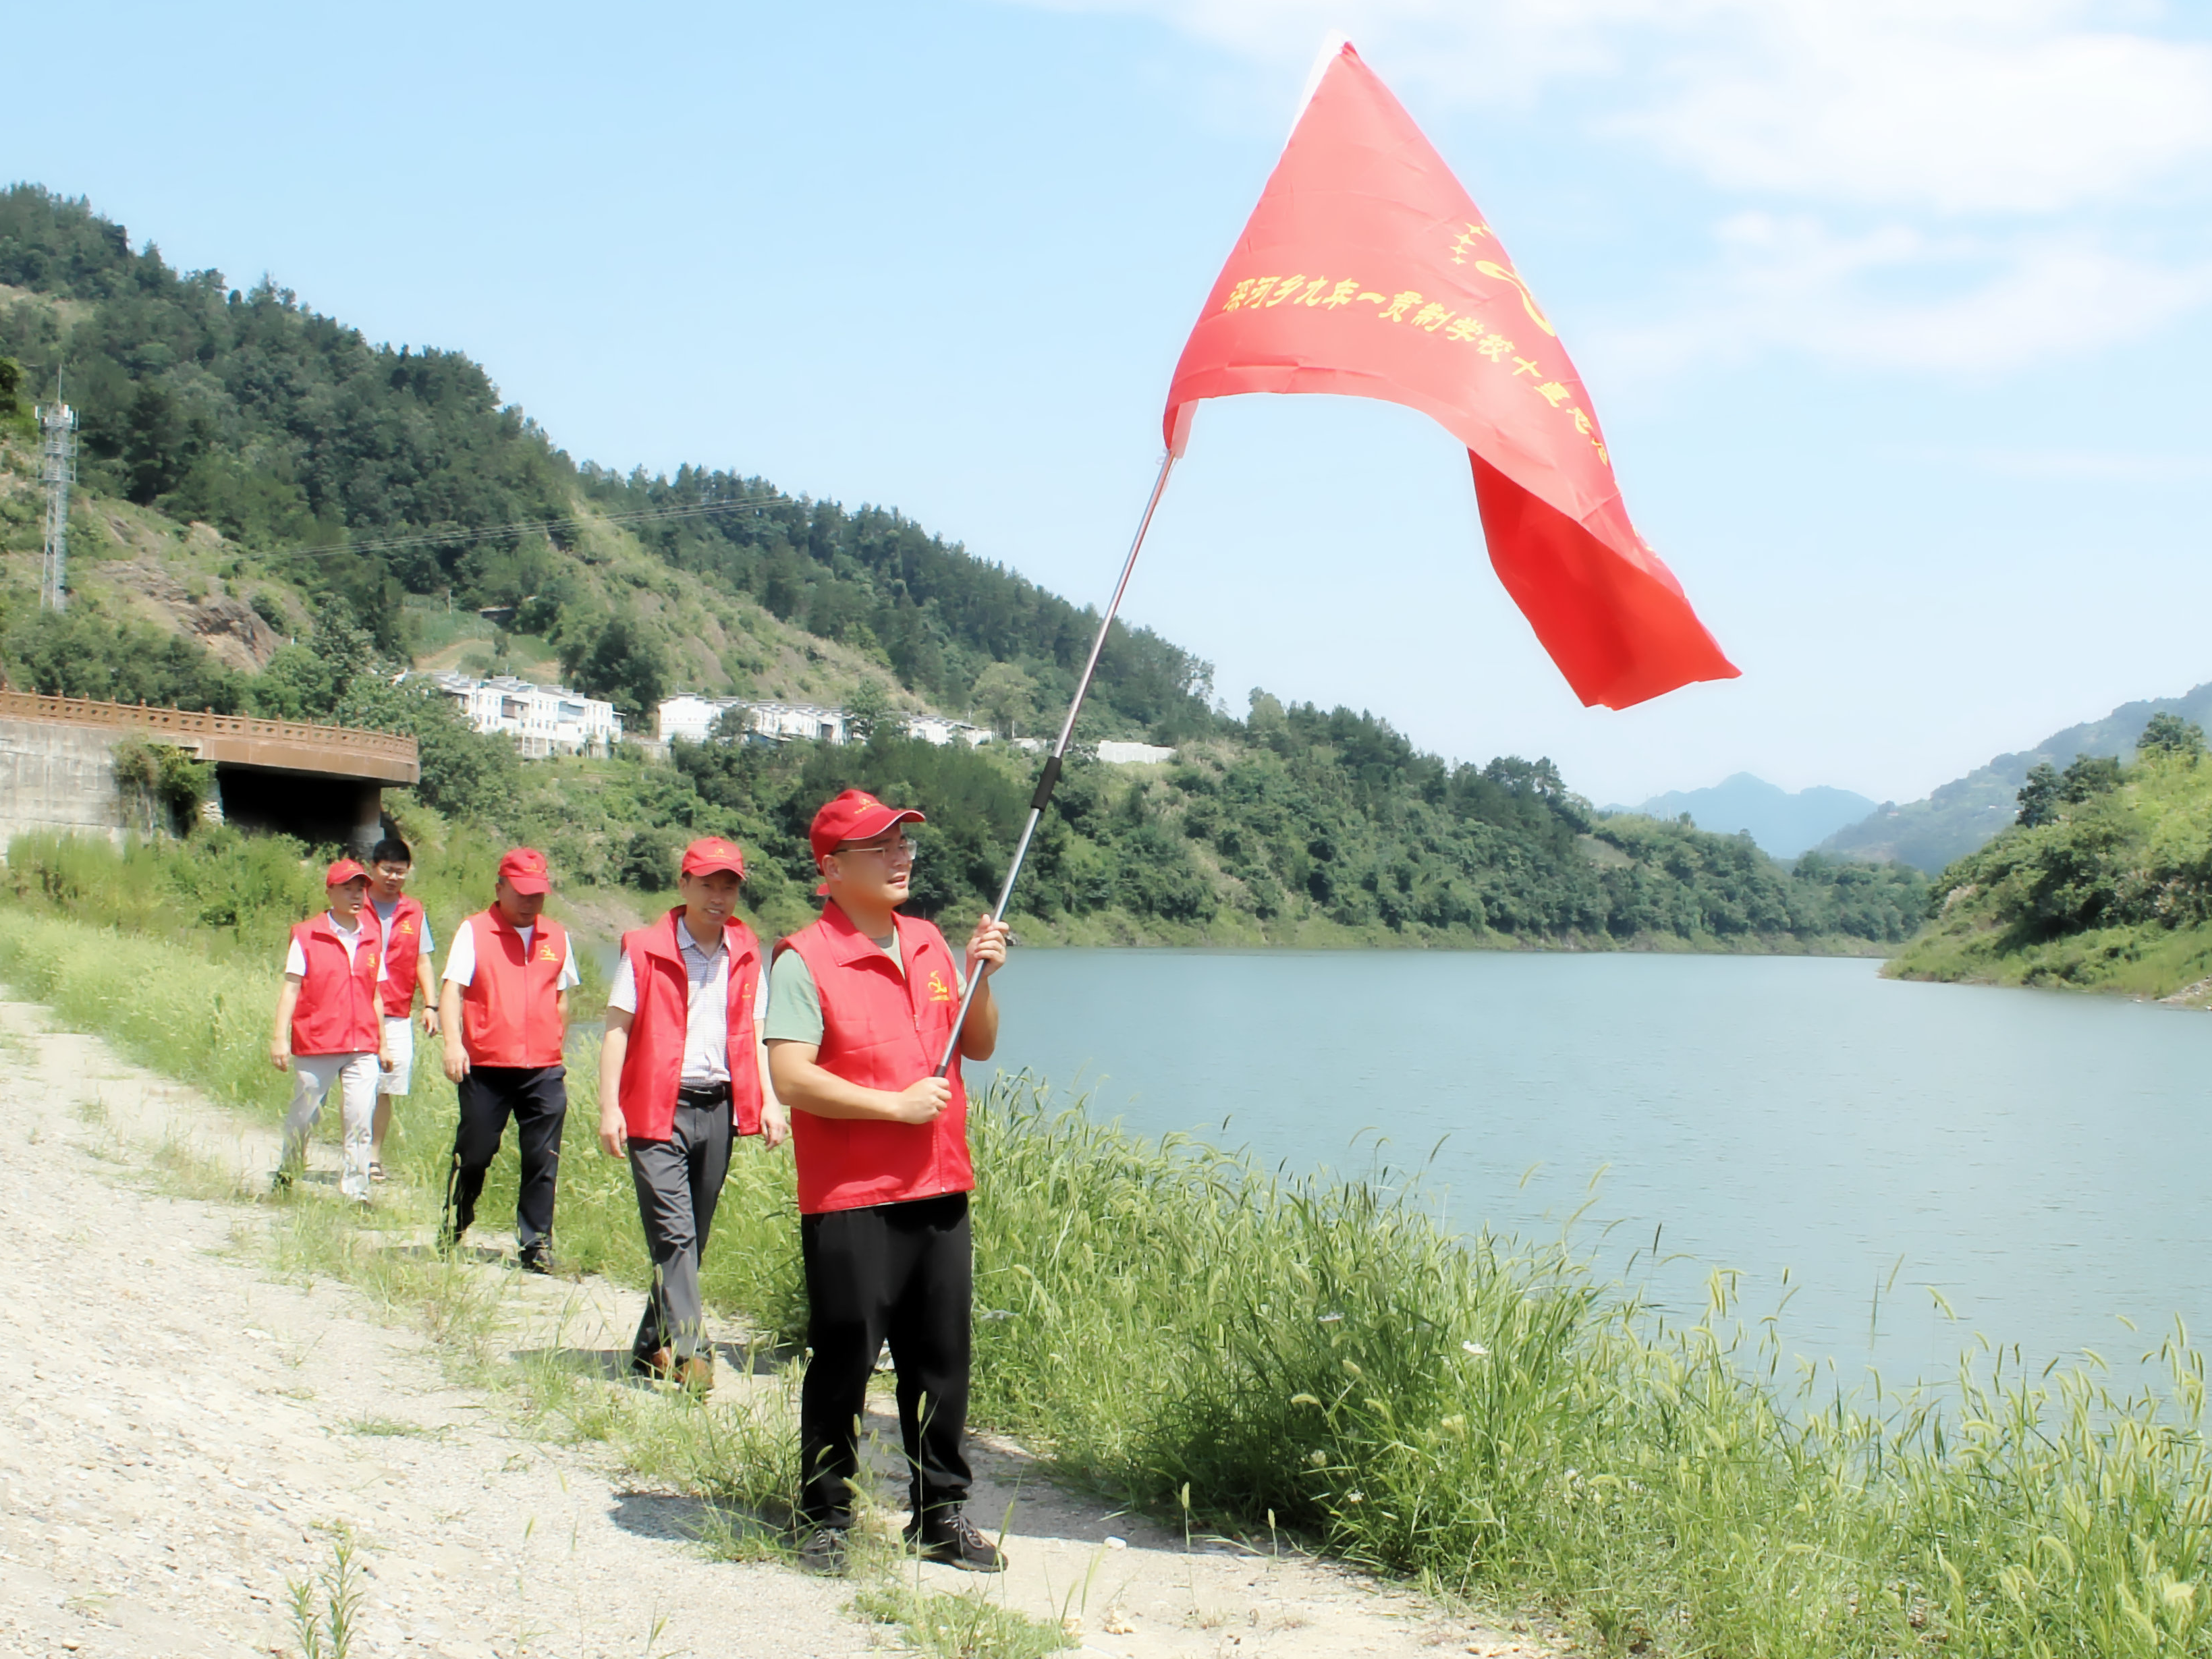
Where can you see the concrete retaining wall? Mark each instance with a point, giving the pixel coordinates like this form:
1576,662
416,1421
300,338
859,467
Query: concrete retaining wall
54,776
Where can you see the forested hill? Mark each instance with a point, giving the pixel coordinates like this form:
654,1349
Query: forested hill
2103,880
291,434
275,514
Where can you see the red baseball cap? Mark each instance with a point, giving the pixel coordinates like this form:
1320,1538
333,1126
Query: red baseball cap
524,870
856,815
343,871
711,855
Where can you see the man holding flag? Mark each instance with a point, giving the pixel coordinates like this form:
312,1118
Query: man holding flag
860,1005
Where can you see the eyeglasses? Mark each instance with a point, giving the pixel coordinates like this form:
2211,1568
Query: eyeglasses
898,850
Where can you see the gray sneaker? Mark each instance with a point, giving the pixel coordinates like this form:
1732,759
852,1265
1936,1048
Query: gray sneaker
824,1552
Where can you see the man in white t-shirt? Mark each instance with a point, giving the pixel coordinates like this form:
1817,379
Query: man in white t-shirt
328,1028
409,973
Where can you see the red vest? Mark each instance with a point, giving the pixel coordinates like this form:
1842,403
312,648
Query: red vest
337,1011
881,1029
508,1014
653,1064
402,954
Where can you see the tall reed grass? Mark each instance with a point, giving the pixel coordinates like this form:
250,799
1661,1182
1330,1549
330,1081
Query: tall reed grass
1161,1317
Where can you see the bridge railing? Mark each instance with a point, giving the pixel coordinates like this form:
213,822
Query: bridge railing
335,740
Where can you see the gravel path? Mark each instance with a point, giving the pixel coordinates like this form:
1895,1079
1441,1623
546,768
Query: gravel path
182,1434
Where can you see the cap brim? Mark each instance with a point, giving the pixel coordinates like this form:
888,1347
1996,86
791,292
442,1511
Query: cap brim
530,883
874,824
719,866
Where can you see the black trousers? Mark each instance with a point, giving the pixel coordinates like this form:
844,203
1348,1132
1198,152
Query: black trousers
905,1272
537,1097
679,1181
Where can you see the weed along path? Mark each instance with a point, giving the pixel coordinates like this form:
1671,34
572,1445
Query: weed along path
239,1428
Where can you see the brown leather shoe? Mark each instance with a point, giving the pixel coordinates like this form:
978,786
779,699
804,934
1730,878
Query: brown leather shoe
695,1375
659,1365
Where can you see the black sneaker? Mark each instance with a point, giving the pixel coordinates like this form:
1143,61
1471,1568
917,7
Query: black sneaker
950,1537
536,1259
824,1552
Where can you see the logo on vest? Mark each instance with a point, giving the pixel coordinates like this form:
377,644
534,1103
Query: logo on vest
402,930
546,952
939,990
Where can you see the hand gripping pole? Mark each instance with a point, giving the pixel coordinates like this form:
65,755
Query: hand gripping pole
1052,766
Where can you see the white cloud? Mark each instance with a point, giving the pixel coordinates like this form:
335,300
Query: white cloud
1959,107
2000,302
1956,105
1986,148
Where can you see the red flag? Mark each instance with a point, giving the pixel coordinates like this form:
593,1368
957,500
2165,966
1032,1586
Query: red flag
1367,271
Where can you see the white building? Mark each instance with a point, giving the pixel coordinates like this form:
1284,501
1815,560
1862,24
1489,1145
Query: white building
1134,753
796,719
543,720
941,729
691,717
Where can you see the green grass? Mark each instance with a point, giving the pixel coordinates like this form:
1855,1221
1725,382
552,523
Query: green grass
966,1626
1476,1413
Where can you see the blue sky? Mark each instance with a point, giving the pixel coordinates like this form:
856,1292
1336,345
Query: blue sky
1899,315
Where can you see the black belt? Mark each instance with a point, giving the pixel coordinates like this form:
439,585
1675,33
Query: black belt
707,1094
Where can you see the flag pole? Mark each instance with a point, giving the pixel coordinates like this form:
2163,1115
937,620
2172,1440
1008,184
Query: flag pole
1051,775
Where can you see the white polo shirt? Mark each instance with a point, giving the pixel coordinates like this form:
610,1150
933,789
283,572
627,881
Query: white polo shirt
461,956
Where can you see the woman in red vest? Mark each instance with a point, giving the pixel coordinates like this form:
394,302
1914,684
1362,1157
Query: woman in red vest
681,1070
504,1009
860,1007
329,1027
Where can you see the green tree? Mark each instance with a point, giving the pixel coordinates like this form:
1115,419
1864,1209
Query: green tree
625,665
1007,695
2088,777
868,711
465,772
2038,797
2169,734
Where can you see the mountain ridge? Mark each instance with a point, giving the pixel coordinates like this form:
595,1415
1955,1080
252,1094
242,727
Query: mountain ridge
1784,823
1964,815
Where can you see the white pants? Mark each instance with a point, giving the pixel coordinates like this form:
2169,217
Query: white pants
399,1043
355,1077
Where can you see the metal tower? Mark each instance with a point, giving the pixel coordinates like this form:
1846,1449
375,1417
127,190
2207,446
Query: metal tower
58,471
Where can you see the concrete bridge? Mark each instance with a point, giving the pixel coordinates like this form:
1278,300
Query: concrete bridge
322,783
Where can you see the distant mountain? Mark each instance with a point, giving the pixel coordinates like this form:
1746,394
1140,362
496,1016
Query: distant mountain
1967,811
1782,824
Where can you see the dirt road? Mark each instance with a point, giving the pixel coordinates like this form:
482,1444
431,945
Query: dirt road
186,1435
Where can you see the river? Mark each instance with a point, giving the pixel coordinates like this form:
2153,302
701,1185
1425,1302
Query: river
2039,1159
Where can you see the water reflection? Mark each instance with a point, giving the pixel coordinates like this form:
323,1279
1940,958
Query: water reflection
2033,1158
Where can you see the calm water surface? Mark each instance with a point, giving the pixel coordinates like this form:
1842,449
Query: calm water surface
2040,1159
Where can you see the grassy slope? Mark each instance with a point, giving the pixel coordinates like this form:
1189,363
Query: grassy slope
2109,897
718,642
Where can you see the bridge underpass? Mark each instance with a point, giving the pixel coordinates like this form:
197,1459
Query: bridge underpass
321,783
